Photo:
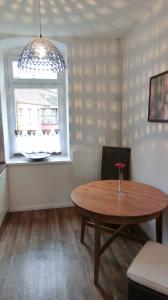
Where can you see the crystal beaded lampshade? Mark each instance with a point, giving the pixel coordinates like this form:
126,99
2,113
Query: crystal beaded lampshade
41,55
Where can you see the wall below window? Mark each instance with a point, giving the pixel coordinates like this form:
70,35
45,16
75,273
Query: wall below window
39,186
47,185
145,53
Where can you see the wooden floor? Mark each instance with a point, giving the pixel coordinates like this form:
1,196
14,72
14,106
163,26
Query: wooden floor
41,258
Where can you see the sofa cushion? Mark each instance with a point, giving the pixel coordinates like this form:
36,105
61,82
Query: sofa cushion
150,267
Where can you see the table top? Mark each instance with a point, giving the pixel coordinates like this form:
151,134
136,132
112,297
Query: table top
101,197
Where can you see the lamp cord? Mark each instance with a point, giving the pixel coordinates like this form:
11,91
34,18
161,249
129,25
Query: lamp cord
40,17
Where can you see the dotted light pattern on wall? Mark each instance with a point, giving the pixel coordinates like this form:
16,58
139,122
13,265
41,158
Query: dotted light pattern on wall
145,55
93,92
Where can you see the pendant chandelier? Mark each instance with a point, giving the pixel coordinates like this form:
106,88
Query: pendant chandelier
41,55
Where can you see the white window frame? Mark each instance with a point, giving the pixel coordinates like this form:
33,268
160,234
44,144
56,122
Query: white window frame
61,83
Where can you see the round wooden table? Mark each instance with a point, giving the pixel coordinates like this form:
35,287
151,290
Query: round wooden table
100,201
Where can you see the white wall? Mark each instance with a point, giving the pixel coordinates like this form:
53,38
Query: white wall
94,121
93,91
145,53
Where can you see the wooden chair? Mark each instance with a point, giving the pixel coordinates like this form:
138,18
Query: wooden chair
148,273
110,156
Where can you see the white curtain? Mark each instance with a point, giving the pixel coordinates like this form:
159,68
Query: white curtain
35,141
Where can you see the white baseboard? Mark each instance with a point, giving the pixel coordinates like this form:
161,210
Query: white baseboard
2,218
41,206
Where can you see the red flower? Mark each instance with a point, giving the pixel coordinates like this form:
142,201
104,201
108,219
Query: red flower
120,165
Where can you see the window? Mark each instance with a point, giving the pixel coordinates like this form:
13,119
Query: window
37,111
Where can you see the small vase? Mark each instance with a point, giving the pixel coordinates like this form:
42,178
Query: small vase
120,181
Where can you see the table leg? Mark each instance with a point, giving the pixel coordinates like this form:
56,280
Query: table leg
83,225
159,221
97,251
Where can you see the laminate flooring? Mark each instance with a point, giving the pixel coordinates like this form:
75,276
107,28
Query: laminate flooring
41,258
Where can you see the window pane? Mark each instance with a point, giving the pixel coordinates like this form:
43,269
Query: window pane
19,74
37,120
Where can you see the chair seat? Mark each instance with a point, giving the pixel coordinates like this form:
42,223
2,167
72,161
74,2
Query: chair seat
150,267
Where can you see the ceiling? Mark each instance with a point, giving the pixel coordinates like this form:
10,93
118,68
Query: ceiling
98,18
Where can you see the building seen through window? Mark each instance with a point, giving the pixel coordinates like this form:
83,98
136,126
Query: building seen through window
37,110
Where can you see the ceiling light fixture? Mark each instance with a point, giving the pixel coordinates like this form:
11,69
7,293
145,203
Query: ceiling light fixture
41,55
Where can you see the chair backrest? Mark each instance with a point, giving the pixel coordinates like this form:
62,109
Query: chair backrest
111,156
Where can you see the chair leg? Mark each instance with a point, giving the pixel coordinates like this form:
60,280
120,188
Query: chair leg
83,225
97,252
132,229
159,221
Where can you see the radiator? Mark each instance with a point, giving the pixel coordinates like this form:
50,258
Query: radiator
86,165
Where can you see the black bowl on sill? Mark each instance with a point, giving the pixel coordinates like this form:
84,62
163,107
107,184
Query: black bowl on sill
36,156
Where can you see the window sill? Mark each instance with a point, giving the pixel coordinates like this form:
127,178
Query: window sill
50,160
